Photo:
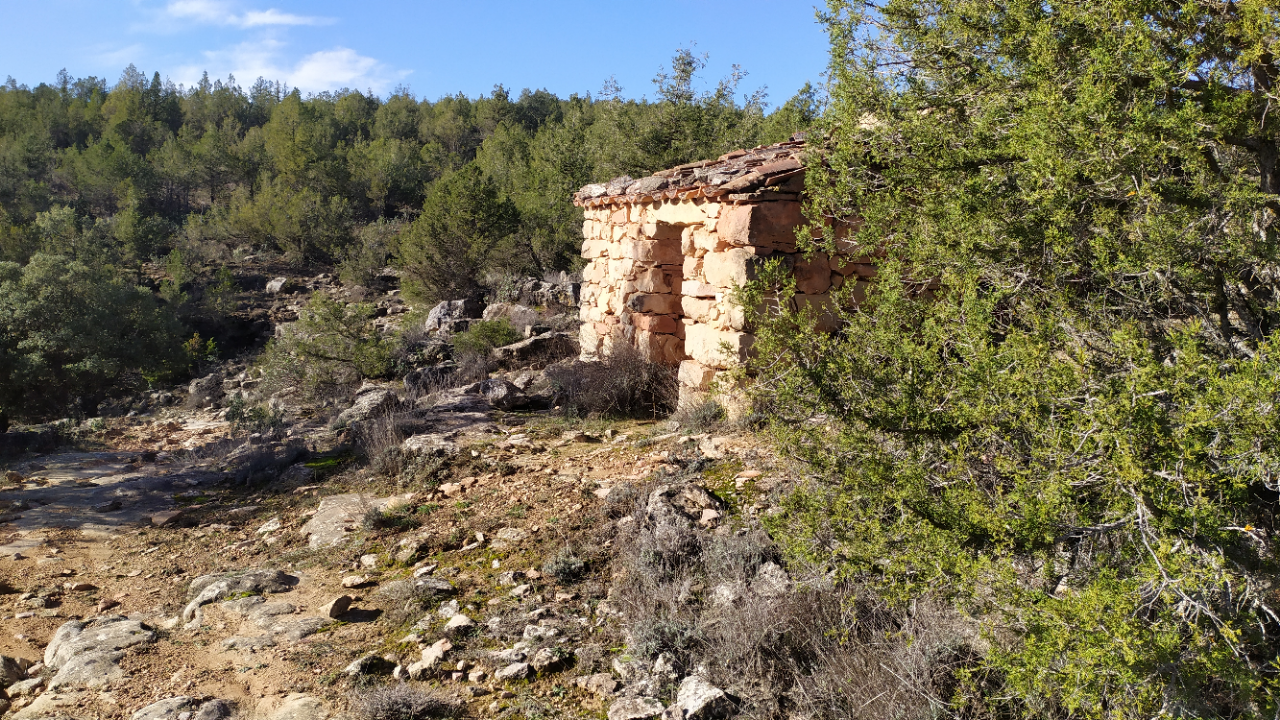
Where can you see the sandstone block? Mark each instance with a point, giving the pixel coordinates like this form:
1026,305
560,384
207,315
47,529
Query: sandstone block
656,323
660,231
664,279
693,374
595,248
655,304
716,348
683,212
692,269
660,347
708,242
661,252
770,224
693,288
697,309
730,268
813,276
821,307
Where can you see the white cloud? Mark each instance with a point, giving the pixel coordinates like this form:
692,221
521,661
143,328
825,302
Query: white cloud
258,18
220,12
331,69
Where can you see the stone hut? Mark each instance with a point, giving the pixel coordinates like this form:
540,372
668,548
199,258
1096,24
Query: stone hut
664,253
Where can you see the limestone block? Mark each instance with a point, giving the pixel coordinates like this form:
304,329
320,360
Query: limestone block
693,374
683,212
686,242
661,231
618,216
813,276
692,269
657,323
662,252
770,224
654,303
593,273
595,248
697,309
591,315
635,213
693,288
716,348
730,268
664,279
712,209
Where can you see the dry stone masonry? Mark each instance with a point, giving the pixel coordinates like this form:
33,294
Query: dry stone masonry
665,253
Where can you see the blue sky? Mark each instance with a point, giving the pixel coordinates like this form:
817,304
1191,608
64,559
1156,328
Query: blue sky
433,47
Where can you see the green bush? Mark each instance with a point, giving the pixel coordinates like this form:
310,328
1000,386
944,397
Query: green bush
71,332
332,348
485,335
1054,407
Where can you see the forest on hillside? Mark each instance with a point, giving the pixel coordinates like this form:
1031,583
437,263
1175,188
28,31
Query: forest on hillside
125,172
105,185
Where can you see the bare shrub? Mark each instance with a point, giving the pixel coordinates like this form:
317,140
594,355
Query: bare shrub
808,647
700,417
565,566
624,383
402,702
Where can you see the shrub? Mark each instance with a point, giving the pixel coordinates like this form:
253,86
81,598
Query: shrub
565,566
402,702
71,331
332,348
485,335
252,418
399,518
622,384
700,417
466,228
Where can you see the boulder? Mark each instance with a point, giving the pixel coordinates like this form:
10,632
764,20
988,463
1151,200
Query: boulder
87,654
520,316
541,349
372,403
278,285
514,671
328,526
301,707
635,708
205,390
167,709
698,699
211,588
12,669
453,315
502,394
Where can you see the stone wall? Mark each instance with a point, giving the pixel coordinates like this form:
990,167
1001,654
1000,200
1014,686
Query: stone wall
660,275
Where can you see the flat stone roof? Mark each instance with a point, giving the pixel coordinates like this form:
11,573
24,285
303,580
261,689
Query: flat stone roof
738,175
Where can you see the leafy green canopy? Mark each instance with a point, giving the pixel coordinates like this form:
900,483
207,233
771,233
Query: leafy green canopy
144,165
69,332
1056,405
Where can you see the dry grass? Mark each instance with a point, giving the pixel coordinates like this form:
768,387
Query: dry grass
622,384
813,648
402,702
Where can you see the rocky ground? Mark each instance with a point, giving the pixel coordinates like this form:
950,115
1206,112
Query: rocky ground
167,565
